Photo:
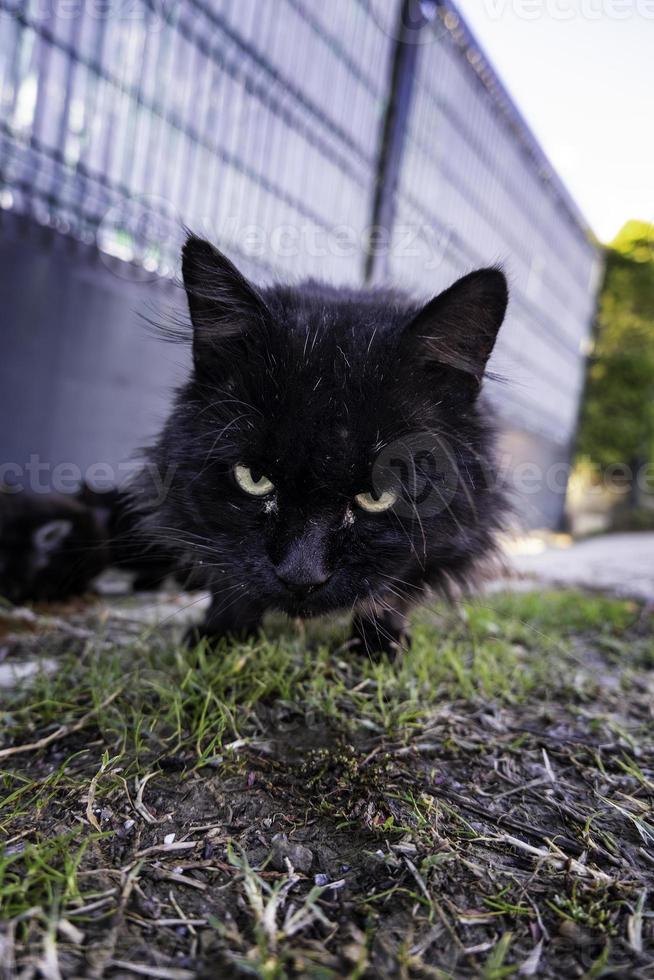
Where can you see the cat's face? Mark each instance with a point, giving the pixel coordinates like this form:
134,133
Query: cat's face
328,446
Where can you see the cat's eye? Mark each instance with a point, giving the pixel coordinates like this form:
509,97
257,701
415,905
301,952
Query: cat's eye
376,505
49,536
259,487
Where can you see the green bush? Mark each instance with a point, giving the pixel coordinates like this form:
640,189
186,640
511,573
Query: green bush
617,425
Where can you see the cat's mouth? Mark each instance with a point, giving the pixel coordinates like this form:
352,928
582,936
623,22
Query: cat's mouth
314,603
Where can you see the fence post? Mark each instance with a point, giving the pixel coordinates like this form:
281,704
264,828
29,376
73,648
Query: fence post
413,16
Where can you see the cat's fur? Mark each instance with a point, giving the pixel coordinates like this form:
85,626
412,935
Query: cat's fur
308,385
150,561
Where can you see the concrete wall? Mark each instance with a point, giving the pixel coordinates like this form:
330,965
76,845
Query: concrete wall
82,378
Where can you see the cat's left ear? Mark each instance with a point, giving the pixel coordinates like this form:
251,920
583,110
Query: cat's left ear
223,304
458,327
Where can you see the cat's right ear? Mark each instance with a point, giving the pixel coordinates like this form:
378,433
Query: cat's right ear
458,328
222,303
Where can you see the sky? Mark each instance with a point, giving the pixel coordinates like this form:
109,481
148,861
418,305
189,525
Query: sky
585,84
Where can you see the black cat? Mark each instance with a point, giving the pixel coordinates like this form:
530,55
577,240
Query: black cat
329,450
52,546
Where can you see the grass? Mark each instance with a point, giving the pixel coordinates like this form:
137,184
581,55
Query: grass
482,807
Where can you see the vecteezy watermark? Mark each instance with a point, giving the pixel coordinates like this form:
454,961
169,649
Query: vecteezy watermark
422,22
412,22
420,242
38,476
425,472
526,478
152,15
140,239
567,10
421,470
142,232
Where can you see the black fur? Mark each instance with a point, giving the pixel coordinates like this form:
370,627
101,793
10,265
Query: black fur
309,386
128,548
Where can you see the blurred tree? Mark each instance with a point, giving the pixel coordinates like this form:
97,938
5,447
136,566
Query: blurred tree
617,423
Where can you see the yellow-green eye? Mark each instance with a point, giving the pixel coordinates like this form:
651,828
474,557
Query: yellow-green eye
376,505
247,483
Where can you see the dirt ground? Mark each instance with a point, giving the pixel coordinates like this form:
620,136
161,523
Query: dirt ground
285,808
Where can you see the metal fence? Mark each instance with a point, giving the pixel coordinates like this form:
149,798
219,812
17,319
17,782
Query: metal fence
474,180
121,126
358,140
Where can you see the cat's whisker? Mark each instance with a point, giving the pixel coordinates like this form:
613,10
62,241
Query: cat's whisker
403,597
208,460
461,482
392,513
181,609
229,400
401,581
381,631
417,514
196,601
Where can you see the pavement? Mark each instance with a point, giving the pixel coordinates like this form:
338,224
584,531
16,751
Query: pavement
618,563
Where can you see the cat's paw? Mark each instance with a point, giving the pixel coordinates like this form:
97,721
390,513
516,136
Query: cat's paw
375,638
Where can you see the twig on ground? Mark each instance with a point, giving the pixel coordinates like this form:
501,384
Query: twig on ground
159,972
557,858
60,732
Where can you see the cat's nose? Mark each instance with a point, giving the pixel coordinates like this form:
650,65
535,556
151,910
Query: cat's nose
301,581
